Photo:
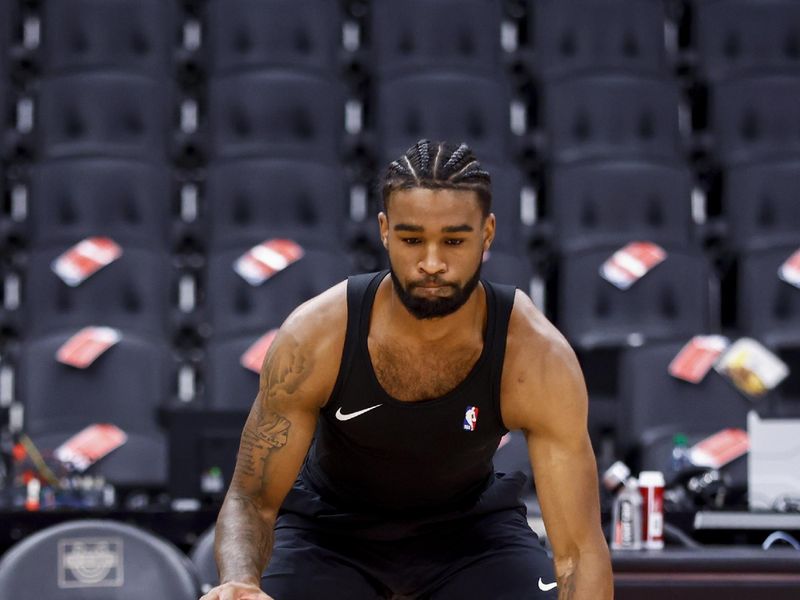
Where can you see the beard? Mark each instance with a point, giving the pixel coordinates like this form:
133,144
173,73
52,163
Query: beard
434,307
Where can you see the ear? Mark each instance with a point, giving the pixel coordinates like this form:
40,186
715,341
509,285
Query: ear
383,223
489,229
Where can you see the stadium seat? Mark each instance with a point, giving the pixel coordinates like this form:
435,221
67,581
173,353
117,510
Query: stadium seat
507,185
92,559
755,119
129,201
134,292
110,114
736,38
234,307
124,386
5,221
257,34
609,203
654,405
127,35
671,301
761,207
8,313
279,114
605,117
584,36
457,108
229,385
249,199
453,35
507,268
5,36
202,557
768,307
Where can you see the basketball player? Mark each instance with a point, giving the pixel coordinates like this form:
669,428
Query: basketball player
409,379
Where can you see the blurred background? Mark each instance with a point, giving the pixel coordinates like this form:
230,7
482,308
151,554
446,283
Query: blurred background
172,138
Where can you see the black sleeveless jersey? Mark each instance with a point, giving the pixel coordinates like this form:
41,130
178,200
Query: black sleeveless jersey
375,455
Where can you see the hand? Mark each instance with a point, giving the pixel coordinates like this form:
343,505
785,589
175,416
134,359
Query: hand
234,590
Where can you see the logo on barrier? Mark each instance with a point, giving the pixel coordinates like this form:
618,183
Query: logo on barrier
90,562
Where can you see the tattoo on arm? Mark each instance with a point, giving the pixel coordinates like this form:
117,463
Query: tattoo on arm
245,539
265,432
266,429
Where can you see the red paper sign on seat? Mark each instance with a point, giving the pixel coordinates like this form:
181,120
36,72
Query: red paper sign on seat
89,445
83,348
629,264
262,262
253,358
85,258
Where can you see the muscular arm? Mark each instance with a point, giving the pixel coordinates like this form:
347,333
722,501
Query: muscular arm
296,378
544,395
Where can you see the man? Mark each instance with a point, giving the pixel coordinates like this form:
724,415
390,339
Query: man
405,381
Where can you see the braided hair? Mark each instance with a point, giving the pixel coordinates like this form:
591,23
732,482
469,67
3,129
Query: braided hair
438,165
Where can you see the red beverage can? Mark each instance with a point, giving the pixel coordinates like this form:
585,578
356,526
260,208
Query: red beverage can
651,487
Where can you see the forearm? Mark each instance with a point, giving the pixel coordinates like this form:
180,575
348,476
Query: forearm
244,539
587,577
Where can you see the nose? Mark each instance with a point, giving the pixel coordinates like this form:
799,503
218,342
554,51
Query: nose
431,262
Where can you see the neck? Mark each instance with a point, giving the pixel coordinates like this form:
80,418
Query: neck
453,326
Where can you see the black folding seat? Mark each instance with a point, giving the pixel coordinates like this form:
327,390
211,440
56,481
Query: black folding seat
229,385
608,203
134,292
507,188
584,36
613,116
83,559
128,35
654,405
755,119
761,205
250,200
129,201
456,107
248,34
112,114
768,307
234,307
671,301
124,387
5,36
279,114
8,305
746,37
443,34
510,269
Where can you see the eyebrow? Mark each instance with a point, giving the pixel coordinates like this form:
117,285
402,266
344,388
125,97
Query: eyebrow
448,229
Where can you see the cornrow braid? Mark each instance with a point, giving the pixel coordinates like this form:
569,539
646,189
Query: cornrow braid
440,165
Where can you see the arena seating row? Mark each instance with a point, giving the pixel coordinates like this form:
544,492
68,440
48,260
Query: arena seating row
190,132
141,290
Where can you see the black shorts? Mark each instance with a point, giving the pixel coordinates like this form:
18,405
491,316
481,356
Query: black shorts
494,557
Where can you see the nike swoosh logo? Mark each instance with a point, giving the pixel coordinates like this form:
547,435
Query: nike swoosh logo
346,417
546,587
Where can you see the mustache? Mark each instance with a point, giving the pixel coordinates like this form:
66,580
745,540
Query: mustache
430,281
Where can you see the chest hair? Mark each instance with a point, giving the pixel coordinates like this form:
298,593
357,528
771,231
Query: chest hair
410,375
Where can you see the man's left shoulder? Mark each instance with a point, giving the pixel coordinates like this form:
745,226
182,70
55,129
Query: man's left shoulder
531,335
540,365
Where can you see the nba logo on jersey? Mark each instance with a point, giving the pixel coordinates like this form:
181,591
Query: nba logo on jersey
471,418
